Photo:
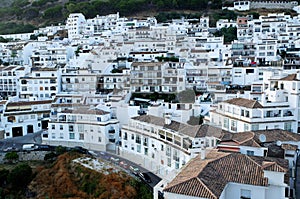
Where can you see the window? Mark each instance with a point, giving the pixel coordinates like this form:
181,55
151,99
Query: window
255,127
250,152
81,136
138,148
99,139
169,162
246,127
71,136
168,151
138,139
226,123
245,194
80,127
294,86
288,126
71,128
146,151
61,127
53,126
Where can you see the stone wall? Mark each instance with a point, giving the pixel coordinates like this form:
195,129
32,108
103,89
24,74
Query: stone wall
24,156
272,4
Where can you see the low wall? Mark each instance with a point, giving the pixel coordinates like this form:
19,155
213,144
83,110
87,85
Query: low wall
25,156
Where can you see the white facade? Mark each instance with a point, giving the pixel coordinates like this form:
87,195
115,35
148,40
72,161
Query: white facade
90,128
22,118
159,149
75,25
41,84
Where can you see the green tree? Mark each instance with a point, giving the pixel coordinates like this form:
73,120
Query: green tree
230,34
186,96
20,176
195,120
11,156
53,12
3,176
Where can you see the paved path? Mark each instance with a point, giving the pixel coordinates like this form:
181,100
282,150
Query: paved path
107,156
17,142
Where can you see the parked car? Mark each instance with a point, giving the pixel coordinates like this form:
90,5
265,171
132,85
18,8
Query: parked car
123,164
10,149
115,160
29,147
44,147
145,177
80,149
134,170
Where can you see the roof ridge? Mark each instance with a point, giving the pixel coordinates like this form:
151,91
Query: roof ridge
253,161
272,163
251,138
206,187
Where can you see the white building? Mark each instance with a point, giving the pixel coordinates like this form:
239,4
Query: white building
79,125
9,80
41,83
157,77
230,176
24,117
162,145
75,25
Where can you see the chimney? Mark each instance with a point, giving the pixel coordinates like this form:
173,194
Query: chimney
238,94
203,153
298,76
168,119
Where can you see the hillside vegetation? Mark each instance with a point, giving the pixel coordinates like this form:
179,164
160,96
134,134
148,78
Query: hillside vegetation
21,16
66,179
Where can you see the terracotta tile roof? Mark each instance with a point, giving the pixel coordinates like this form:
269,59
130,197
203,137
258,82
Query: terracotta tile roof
244,103
277,134
146,64
27,103
86,111
207,178
3,102
272,164
241,139
251,138
207,130
292,77
189,130
291,147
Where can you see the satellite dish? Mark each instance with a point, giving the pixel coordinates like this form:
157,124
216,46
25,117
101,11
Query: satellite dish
262,138
278,143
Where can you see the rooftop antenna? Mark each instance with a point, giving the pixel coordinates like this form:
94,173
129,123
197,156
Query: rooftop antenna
278,143
262,138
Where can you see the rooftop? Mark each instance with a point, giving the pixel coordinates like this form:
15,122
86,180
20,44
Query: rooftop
207,178
244,103
185,129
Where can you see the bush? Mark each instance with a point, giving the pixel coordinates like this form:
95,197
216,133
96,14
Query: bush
230,34
53,12
20,176
195,120
11,156
186,96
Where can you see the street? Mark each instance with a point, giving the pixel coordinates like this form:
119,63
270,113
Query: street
35,138
17,142
118,159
